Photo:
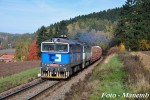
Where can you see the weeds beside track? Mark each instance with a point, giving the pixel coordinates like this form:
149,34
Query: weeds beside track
17,79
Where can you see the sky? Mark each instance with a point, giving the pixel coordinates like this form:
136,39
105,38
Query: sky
26,16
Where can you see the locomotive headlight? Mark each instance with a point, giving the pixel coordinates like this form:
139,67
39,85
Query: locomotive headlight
46,65
65,69
62,65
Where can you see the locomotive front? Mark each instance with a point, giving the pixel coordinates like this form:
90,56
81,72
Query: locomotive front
55,59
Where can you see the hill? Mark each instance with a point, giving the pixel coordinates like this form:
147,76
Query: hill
8,40
94,29
100,25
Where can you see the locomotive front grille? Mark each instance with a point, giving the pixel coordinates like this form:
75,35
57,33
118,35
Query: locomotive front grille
48,74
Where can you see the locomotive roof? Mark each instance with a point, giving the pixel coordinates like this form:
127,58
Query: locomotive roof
64,40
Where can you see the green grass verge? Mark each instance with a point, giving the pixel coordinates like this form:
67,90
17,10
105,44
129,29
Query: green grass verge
17,79
111,81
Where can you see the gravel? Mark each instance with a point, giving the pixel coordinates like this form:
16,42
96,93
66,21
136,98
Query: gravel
32,91
59,94
19,87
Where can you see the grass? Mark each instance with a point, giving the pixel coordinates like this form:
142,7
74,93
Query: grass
106,82
17,79
122,74
112,78
138,76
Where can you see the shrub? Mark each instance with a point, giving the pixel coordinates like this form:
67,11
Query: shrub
138,77
113,50
122,47
144,45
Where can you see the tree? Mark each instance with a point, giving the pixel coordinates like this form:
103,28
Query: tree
133,23
33,51
91,23
41,35
124,27
18,52
22,45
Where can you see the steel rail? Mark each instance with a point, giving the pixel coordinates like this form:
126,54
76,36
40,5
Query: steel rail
32,85
21,90
43,91
56,85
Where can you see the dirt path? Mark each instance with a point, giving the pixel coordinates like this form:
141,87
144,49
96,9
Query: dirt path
108,58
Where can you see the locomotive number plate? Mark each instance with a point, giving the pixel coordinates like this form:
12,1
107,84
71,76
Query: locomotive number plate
55,65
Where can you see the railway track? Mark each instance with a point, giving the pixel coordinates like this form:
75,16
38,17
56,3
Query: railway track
30,91
44,87
59,91
49,90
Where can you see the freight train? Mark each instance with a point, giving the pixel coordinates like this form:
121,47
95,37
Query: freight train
61,57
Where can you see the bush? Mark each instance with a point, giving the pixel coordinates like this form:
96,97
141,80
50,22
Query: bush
122,47
144,45
113,50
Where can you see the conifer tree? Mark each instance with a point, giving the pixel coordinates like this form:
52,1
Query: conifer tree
133,27
123,31
41,35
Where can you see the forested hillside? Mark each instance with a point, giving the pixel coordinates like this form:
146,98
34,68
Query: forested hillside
8,40
133,29
94,29
21,43
127,26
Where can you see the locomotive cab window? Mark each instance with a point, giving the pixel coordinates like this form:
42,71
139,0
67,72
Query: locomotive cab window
61,47
47,47
54,47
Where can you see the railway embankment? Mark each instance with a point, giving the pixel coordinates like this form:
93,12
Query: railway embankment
119,77
17,79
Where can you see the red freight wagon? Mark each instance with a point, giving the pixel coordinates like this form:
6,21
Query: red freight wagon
96,53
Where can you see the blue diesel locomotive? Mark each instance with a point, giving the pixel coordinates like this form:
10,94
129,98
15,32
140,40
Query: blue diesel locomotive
61,57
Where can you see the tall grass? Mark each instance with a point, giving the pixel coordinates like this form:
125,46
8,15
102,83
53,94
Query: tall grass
138,77
17,79
111,76
112,80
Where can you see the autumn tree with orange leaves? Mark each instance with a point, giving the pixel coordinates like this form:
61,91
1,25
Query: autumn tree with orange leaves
33,51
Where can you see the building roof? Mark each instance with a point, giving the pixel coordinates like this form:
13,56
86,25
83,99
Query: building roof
7,56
